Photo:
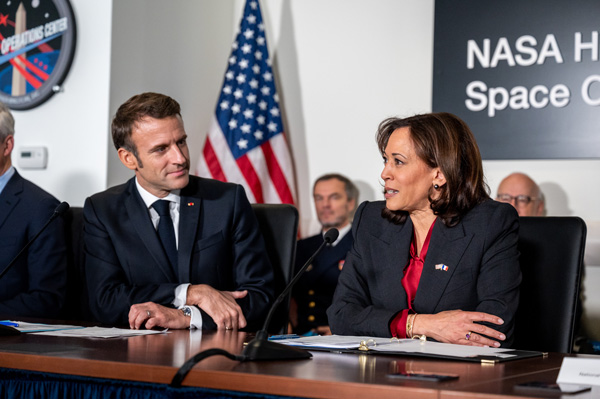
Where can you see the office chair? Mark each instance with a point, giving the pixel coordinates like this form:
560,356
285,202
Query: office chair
551,261
76,306
279,227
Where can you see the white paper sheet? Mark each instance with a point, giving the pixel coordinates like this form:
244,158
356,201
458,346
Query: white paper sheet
395,345
99,332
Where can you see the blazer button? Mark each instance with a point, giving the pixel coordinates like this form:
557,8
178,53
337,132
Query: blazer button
311,304
311,318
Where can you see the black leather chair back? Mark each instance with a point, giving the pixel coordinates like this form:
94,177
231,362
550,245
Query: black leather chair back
76,306
279,227
552,250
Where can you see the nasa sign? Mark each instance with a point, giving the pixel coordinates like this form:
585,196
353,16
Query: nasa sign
524,75
36,50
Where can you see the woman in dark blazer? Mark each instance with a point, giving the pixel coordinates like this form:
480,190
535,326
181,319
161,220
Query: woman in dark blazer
438,258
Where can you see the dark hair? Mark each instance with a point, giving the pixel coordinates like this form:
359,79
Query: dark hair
154,105
351,190
444,141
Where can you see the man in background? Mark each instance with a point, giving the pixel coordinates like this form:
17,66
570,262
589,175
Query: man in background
35,285
336,199
523,193
168,249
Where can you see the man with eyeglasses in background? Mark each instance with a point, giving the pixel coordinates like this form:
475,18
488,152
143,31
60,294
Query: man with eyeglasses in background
523,193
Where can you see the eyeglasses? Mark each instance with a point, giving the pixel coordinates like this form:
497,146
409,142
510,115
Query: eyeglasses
520,200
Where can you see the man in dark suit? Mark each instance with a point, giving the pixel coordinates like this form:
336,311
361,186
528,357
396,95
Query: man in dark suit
35,285
335,199
199,262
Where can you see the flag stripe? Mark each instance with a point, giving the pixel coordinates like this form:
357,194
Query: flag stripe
280,147
251,177
212,162
257,157
276,174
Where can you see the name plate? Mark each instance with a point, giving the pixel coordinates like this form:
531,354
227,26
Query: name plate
579,371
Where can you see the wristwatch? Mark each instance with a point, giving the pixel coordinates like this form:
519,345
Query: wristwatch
187,311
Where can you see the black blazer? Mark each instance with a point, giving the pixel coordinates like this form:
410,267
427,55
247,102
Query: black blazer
483,270
35,285
219,245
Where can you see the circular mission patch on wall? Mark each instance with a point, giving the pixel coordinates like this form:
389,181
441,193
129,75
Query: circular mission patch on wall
37,46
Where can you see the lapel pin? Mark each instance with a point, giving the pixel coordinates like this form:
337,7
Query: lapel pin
190,204
441,266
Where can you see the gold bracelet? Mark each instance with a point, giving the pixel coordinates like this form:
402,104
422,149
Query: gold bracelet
409,324
412,324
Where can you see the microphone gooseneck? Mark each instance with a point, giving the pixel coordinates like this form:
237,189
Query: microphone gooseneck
260,348
60,209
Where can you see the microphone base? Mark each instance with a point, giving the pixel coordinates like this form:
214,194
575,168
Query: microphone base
261,349
7,330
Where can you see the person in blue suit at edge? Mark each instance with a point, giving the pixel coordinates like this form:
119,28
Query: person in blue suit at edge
168,249
35,285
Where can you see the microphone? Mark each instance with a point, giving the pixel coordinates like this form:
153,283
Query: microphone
260,348
60,209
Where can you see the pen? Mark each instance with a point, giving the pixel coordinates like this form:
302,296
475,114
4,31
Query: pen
9,323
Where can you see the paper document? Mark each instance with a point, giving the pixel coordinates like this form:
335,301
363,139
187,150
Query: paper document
395,345
25,327
100,332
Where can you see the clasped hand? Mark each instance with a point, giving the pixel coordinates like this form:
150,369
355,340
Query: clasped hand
220,305
155,315
460,327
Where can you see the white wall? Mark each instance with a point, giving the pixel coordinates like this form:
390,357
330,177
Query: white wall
72,124
342,67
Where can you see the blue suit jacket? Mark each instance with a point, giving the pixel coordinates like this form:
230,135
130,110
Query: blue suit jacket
483,270
219,245
314,290
35,285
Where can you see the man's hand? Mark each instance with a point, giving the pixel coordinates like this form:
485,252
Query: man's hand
220,305
155,315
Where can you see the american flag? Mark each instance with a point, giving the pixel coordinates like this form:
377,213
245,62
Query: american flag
245,143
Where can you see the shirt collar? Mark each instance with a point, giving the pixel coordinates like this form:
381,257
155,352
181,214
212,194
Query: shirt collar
343,231
150,199
6,177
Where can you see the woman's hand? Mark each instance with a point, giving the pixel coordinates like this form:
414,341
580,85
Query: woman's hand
458,327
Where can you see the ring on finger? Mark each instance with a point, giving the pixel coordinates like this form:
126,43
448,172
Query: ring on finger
148,313
227,328
468,335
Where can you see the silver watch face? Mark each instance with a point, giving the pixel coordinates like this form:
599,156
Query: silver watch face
187,311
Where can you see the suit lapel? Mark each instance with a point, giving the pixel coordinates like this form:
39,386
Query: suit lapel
391,252
446,247
189,220
10,196
138,214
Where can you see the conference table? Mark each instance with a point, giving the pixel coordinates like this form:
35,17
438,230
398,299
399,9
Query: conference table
156,358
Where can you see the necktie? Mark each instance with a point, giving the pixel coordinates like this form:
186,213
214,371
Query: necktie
166,232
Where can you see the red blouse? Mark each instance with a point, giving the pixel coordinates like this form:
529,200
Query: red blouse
410,282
